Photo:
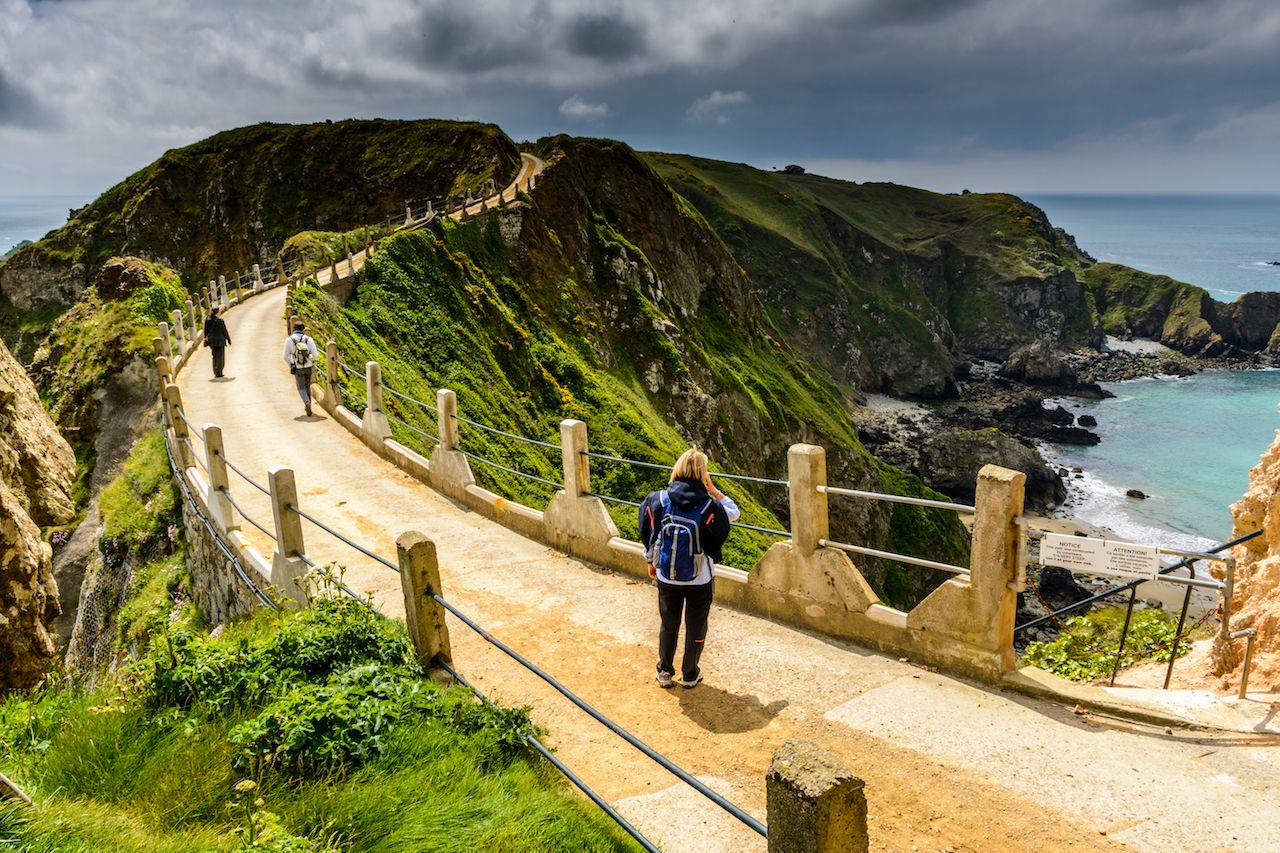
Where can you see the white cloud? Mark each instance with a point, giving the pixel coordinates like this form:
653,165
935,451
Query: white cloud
578,109
717,106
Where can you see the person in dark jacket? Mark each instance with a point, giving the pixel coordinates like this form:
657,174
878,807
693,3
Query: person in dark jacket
217,338
694,499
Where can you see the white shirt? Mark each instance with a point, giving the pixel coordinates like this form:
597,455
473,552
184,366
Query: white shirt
291,346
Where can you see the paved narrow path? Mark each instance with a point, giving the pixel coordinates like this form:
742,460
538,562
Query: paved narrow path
948,766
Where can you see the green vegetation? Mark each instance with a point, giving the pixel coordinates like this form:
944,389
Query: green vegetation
1086,648
315,249
306,731
1132,302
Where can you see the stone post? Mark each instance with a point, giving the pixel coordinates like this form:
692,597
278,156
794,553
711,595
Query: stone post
806,470
211,294
288,571
222,291
257,278
993,566
331,394
195,322
351,263
446,418
158,347
179,330
388,226
430,211
166,342
408,214
220,508
333,270
814,803
164,373
574,459
374,428
423,615
182,436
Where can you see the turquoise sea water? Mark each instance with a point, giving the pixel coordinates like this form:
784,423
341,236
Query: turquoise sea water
1189,443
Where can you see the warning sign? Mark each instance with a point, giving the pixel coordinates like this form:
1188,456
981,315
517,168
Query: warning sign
1099,556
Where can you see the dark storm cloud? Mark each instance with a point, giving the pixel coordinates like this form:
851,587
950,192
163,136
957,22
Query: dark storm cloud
607,37
452,37
18,107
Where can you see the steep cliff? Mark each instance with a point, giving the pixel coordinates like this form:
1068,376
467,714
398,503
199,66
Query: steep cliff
233,199
891,288
1257,589
36,467
605,297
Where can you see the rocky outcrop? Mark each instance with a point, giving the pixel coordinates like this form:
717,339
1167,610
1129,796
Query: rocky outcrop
1257,582
949,461
36,469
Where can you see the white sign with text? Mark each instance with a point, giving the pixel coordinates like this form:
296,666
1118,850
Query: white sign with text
1099,556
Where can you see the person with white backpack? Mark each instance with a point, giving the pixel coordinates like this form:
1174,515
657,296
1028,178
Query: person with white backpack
300,355
683,529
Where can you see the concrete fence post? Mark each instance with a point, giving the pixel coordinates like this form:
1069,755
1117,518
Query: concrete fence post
331,393
164,373
430,210
423,615
374,428
182,436
806,470
167,339
195,322
333,269
994,573
222,291
180,330
288,571
573,453
351,263
257,278
814,803
220,508
158,347
446,418
211,294
408,214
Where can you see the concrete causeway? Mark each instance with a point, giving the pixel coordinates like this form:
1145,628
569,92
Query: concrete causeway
948,765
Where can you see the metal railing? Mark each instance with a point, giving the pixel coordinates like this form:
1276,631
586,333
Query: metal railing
889,555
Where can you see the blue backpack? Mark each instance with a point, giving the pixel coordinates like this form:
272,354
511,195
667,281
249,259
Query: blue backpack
679,543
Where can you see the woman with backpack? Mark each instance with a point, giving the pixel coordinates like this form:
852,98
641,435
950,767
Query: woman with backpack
683,529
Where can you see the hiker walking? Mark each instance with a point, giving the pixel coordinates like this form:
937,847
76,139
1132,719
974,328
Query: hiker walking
683,529
300,355
217,338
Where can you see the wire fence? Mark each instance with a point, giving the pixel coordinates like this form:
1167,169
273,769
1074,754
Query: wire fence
242,475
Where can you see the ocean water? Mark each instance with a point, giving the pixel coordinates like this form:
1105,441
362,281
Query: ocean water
1187,443
31,217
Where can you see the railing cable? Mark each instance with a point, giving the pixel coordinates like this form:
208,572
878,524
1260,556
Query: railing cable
608,723
655,466
227,494
243,475
336,535
412,428
493,464
393,392
497,431
563,768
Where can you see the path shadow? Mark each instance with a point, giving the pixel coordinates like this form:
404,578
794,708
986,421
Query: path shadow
223,379
722,712
310,418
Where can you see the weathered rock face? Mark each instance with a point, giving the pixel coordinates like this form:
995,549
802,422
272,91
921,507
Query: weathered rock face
1257,590
36,469
1038,362
950,462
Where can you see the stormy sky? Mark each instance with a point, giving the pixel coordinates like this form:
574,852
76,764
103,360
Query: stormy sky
1021,95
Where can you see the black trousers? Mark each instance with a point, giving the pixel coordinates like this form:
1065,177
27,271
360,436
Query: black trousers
695,602
219,359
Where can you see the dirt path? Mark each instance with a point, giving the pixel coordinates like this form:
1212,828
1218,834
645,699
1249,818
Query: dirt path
948,766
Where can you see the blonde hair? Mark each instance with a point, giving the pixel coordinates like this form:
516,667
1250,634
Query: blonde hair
692,465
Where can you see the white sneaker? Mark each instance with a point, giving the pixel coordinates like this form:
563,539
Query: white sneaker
689,685
665,680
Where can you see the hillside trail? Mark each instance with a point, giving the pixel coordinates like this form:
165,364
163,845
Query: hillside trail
948,766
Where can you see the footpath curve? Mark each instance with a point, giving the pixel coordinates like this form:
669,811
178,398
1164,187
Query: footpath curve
948,766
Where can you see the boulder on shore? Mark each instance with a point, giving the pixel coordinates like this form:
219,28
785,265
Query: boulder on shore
950,461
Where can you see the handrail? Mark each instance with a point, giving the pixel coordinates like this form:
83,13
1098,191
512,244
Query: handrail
493,464
229,553
655,466
336,535
497,431
191,428
900,499
393,392
195,457
243,475
412,428
899,558
560,765
662,760
351,370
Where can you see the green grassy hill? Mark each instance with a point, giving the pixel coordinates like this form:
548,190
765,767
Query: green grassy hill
890,287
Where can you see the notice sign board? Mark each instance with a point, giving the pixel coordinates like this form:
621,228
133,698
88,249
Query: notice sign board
1099,556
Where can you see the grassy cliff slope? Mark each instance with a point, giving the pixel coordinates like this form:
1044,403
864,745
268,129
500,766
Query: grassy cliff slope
890,287
606,298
